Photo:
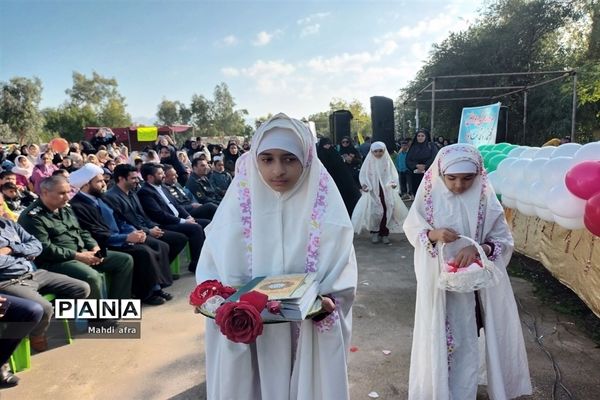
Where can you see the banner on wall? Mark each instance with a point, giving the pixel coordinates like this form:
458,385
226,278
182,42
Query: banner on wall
478,125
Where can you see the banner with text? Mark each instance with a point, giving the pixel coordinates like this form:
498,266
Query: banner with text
478,125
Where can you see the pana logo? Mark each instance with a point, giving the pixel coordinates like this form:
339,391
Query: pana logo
98,309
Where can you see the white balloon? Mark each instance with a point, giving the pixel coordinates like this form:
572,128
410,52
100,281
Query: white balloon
495,181
517,169
569,223
544,214
535,170
516,152
502,182
504,165
563,203
545,152
526,208
529,154
565,150
588,152
509,202
539,194
555,169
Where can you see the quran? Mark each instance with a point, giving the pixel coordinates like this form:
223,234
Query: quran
296,292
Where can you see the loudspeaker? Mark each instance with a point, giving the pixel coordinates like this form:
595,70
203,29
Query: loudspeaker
382,121
339,125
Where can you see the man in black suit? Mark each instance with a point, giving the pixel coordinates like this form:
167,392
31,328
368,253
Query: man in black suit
159,207
151,270
126,205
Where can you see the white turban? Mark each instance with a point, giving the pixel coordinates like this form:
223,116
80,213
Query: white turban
84,175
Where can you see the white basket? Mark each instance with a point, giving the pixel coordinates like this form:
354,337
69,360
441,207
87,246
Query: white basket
467,281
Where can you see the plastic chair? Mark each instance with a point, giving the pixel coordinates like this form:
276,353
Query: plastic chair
21,358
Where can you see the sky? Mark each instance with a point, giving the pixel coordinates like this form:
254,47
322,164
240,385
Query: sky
275,56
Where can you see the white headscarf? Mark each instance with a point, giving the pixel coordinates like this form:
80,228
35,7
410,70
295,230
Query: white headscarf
261,232
374,173
477,214
17,169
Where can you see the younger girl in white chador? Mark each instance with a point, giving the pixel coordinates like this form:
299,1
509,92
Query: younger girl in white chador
451,353
380,209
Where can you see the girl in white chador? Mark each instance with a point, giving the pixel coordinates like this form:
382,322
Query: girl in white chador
380,209
282,214
451,355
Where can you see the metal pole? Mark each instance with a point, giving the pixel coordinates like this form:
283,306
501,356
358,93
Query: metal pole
524,116
432,108
506,127
574,112
503,74
417,117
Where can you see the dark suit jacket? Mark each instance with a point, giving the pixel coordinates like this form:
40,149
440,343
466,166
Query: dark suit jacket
157,209
106,231
124,211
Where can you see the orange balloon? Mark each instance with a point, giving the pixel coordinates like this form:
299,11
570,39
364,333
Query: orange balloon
59,145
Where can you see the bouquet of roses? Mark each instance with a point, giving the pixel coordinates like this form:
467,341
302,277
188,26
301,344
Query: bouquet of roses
239,321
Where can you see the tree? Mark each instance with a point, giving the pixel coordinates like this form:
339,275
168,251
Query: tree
113,113
168,113
92,92
19,102
226,120
68,120
202,117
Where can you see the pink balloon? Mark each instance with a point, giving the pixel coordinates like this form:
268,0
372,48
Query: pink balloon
583,179
591,218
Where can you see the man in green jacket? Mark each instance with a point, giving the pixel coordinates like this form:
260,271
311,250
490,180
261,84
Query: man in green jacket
67,248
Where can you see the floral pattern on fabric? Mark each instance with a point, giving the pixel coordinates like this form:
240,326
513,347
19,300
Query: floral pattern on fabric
449,344
427,243
314,230
325,325
427,187
245,209
497,250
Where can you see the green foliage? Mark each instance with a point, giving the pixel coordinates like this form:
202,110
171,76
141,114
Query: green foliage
515,36
361,121
19,102
168,113
68,120
217,117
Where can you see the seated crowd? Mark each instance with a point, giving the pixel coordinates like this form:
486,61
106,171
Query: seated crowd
94,221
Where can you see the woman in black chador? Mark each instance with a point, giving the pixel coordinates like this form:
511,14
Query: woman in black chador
420,155
340,173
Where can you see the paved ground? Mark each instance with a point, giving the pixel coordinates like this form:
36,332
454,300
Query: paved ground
168,362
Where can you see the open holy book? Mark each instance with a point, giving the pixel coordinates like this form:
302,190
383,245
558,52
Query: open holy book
296,292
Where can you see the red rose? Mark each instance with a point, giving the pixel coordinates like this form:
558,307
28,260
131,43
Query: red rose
208,289
239,321
274,307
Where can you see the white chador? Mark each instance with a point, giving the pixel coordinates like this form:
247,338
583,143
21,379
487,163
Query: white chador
448,359
375,173
257,231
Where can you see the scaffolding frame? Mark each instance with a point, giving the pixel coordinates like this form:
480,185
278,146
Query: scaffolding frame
431,88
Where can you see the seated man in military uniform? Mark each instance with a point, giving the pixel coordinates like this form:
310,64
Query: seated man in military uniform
174,189
67,248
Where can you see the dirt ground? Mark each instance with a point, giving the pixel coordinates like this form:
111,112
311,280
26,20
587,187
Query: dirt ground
168,361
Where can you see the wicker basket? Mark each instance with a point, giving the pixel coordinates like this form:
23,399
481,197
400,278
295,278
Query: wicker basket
467,281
